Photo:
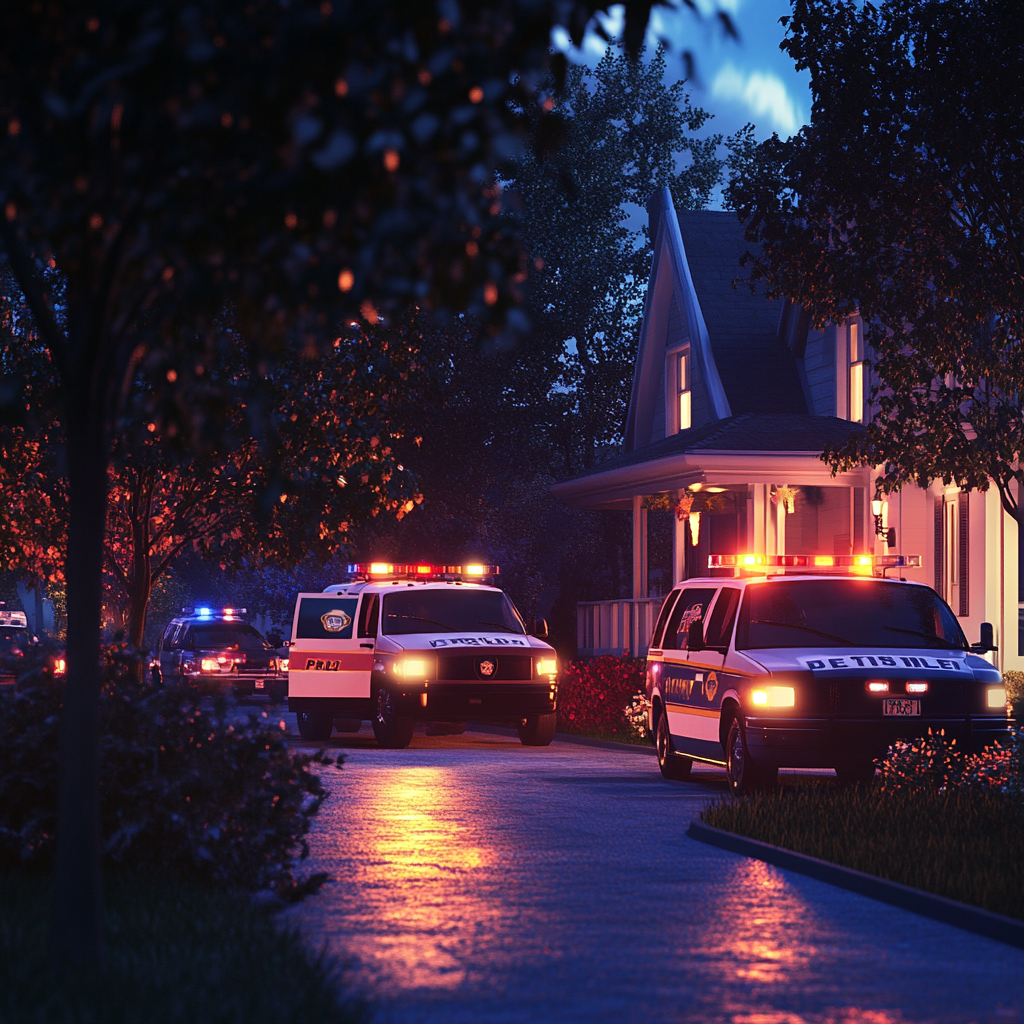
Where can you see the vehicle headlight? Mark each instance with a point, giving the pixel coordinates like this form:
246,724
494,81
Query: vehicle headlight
773,697
996,696
209,665
547,666
411,668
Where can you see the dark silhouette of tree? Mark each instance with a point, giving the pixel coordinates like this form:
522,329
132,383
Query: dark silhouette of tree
902,200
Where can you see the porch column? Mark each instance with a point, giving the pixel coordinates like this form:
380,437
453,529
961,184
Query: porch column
639,547
679,541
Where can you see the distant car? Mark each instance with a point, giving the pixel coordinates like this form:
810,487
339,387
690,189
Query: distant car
216,645
399,644
812,671
19,648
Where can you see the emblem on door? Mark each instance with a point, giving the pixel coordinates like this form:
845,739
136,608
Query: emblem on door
335,620
486,667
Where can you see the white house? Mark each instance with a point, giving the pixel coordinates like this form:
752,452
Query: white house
735,396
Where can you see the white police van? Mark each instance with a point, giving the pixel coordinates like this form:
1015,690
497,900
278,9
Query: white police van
402,643
812,662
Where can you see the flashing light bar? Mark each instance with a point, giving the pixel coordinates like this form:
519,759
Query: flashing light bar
209,613
419,570
17,619
854,562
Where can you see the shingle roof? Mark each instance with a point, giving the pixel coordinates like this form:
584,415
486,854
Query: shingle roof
757,370
749,432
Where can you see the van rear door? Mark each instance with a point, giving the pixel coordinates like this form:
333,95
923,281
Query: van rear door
327,658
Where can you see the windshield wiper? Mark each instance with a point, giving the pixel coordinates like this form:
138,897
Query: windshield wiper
419,618
806,629
927,636
503,626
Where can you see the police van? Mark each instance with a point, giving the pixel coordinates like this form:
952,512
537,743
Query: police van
800,661
397,644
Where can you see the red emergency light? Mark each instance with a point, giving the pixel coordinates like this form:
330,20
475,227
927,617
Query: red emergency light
420,570
861,565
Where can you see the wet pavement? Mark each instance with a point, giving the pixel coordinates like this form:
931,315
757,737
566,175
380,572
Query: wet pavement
477,880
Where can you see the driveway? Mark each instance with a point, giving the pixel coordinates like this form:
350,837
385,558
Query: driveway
476,880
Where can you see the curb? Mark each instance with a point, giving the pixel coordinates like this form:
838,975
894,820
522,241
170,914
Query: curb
938,908
567,737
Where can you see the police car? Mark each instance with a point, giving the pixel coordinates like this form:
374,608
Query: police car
18,645
812,662
216,645
402,643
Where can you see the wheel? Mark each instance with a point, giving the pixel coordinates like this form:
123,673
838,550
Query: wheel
673,766
393,731
315,725
277,692
537,730
857,774
742,773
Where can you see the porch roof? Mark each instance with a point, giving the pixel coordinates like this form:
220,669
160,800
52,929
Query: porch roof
749,448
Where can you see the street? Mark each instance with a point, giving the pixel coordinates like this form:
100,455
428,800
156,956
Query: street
476,880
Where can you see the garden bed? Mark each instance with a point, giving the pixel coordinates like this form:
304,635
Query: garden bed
960,844
177,951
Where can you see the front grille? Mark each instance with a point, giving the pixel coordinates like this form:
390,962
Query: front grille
462,667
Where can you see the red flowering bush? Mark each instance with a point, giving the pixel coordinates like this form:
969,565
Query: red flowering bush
185,782
593,694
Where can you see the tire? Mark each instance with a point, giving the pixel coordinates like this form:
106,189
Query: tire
741,771
673,766
315,725
393,731
537,730
862,774
277,692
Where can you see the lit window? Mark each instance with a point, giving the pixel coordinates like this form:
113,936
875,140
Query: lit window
856,375
685,417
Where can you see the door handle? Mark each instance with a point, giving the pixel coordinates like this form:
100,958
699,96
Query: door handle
367,645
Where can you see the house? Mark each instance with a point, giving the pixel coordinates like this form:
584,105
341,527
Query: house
734,398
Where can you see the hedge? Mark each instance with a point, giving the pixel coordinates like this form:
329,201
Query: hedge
593,694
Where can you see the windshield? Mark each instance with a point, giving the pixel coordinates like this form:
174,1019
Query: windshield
846,613
238,636
14,641
450,611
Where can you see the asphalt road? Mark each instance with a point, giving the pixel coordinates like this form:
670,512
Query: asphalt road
476,880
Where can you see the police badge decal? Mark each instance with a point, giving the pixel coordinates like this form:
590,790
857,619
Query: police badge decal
336,620
486,667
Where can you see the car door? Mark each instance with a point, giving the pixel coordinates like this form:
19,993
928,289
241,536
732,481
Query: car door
328,658
692,722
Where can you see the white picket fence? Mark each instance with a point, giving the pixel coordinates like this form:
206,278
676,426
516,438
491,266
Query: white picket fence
615,627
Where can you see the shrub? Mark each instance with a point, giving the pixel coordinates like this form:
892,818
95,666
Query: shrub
927,762
184,782
593,694
1014,688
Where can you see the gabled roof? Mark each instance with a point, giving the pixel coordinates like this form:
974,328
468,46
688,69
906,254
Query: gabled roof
756,367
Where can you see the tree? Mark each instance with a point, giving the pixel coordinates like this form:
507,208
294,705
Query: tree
623,133
300,164
902,200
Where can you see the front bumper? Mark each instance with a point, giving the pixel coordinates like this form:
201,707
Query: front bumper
476,701
841,740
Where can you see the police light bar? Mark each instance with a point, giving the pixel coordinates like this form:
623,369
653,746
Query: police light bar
17,619
854,562
419,570
208,613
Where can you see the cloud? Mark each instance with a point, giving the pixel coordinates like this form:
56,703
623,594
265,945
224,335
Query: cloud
763,93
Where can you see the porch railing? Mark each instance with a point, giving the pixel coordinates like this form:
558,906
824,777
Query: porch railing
615,627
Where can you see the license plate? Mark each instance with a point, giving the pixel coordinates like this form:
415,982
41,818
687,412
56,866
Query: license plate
901,707
259,684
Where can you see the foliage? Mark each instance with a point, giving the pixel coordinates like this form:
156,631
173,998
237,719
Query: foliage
958,844
638,715
1014,682
183,786
593,693
901,201
179,950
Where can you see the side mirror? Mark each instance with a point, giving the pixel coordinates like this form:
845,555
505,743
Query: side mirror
987,641
695,636
540,628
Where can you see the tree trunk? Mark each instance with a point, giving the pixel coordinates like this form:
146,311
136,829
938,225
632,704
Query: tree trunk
76,938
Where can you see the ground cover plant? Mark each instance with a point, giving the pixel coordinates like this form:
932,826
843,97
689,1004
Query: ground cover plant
594,693
177,951
935,819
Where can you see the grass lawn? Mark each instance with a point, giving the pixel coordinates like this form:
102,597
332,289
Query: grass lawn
177,951
966,847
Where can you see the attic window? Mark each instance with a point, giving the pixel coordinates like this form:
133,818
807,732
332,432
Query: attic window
685,417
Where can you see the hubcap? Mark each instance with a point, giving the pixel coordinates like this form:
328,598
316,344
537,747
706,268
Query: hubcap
736,758
662,740
383,706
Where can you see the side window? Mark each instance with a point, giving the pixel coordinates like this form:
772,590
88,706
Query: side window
183,640
719,628
165,640
692,604
326,618
666,609
369,612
